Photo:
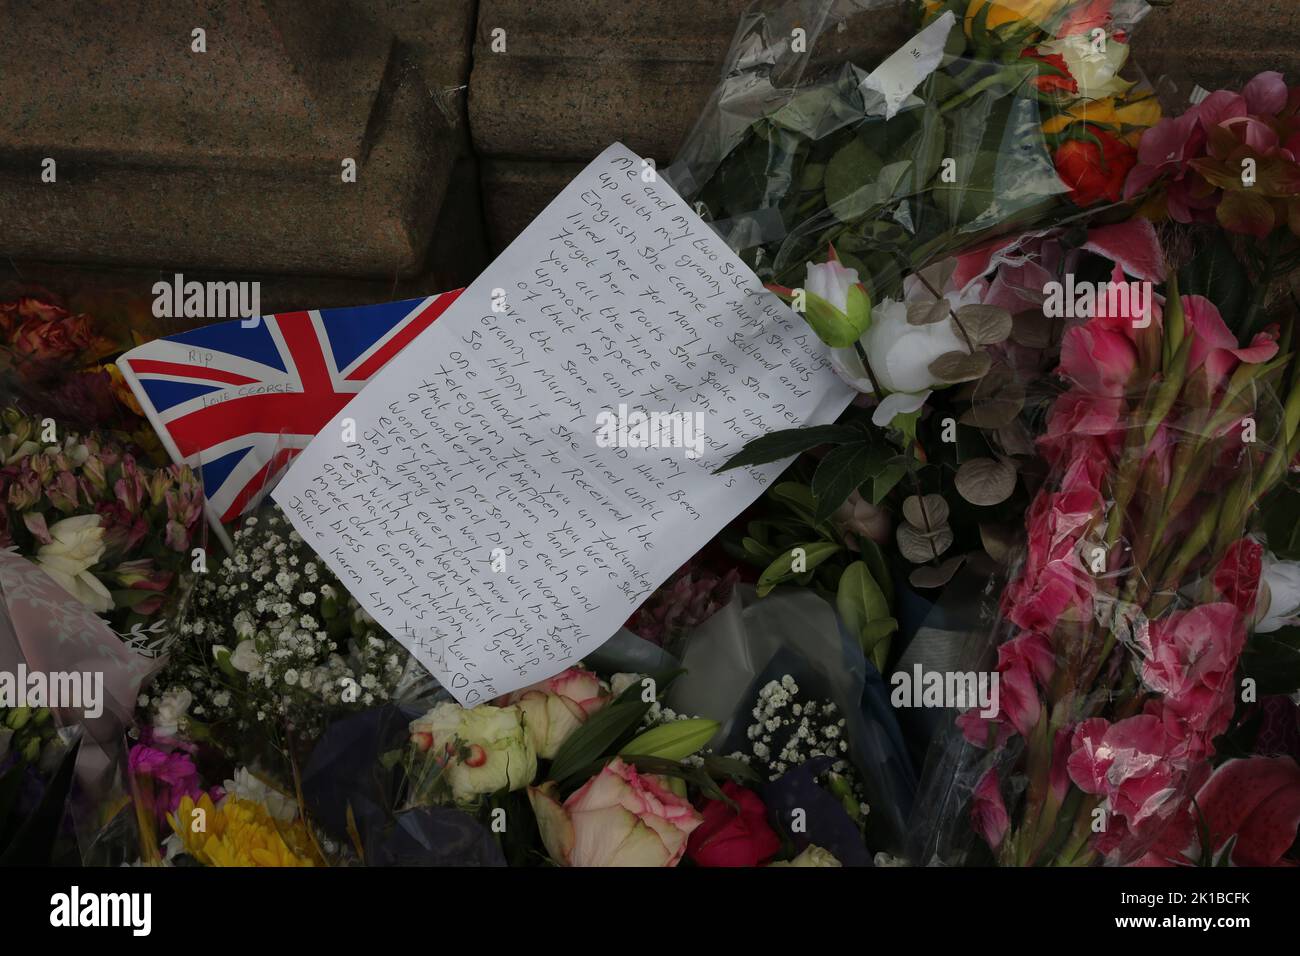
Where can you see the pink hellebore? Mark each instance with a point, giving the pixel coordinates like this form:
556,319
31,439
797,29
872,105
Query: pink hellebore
617,818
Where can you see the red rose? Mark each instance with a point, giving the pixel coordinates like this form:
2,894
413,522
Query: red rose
1094,172
1057,78
54,337
733,837
18,311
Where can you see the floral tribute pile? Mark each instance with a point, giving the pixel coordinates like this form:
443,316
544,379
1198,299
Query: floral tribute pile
1065,306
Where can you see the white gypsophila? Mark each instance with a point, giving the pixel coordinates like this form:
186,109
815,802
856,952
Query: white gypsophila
290,638
788,731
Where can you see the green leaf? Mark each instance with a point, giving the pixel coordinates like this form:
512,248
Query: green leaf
1273,661
842,470
854,166
782,569
673,740
788,442
34,842
832,326
879,568
863,606
606,729
1215,273
885,480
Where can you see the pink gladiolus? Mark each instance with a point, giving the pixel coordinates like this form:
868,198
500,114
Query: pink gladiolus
1129,764
1190,657
1237,576
988,811
1214,347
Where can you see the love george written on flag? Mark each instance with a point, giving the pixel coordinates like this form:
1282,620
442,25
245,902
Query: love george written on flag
239,400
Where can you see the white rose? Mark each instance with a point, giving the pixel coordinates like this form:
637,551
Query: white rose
1095,67
172,706
831,281
900,354
812,855
77,545
1279,595
485,748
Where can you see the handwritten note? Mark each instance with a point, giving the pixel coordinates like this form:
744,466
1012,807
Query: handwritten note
514,483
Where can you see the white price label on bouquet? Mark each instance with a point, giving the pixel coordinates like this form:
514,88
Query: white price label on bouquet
890,84
511,487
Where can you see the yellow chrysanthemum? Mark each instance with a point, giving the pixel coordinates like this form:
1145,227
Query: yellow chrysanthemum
239,833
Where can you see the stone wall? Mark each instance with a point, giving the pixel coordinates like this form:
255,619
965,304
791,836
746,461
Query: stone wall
464,118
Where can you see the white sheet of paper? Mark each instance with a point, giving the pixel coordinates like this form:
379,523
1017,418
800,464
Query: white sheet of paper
905,68
479,515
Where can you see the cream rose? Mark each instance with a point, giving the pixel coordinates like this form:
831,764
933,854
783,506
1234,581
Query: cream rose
75,547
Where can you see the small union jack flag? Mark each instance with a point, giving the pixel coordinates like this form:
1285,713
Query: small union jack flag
240,400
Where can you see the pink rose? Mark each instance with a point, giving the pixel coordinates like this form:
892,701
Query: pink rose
859,518
617,818
988,813
558,706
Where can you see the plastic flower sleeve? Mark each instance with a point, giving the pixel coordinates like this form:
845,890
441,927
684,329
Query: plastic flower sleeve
731,650
995,134
1122,628
91,682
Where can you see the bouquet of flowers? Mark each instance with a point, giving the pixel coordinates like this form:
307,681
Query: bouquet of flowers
116,534
272,648
52,359
1122,678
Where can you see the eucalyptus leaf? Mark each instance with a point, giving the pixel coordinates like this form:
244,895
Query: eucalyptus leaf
920,547
985,324
986,481
954,367
936,576
928,513
924,312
